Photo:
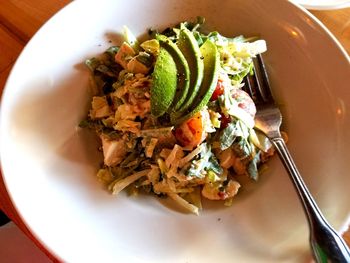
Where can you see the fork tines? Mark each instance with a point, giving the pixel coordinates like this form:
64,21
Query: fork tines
257,85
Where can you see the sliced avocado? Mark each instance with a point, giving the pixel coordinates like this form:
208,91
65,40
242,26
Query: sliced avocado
183,72
164,83
190,49
211,60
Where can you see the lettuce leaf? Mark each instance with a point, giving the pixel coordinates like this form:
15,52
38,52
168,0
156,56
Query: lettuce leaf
206,163
236,130
253,167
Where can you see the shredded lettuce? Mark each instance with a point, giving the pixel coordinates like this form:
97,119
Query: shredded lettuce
236,135
206,162
230,107
253,167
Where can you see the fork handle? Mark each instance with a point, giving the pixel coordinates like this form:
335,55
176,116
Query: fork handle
326,244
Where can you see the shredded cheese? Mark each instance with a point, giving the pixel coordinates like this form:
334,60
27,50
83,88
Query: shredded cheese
121,184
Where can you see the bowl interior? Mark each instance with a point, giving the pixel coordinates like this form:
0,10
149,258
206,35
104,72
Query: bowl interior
49,164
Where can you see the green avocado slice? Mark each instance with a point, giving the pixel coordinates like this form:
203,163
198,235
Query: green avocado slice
211,60
183,72
164,83
190,49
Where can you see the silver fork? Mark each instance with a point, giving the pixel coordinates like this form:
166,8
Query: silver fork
326,244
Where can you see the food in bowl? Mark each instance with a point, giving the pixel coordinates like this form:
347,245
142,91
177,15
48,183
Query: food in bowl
172,116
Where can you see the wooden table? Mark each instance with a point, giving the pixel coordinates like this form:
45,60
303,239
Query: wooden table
20,19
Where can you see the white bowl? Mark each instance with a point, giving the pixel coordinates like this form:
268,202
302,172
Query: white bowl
49,164
323,4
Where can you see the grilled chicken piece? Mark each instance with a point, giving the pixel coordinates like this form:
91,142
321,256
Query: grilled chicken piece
114,151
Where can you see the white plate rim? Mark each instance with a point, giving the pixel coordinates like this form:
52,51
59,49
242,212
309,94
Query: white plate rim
323,6
33,231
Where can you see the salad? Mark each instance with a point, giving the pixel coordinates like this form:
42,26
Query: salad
172,116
